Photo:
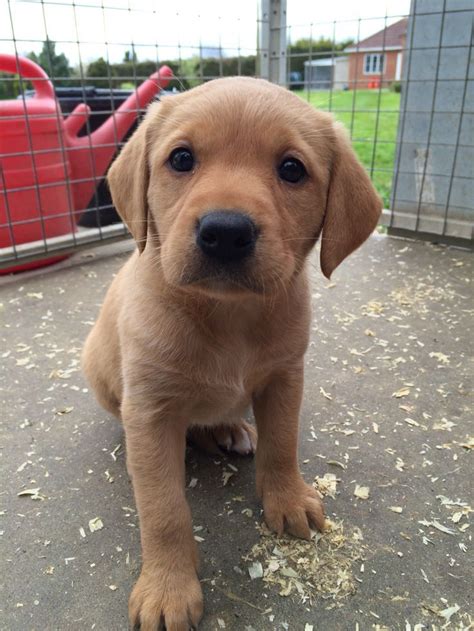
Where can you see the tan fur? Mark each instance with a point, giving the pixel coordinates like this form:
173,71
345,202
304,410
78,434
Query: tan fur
174,346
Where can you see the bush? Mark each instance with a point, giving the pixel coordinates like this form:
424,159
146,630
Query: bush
396,86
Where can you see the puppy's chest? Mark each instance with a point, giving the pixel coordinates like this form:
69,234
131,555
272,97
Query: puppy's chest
234,369
218,381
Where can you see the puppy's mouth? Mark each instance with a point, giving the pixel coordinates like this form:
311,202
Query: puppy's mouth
229,279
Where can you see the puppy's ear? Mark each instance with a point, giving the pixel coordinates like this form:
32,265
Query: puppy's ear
352,208
128,179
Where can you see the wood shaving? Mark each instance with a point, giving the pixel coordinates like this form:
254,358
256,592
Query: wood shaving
441,357
226,476
336,463
325,394
321,567
65,410
444,424
255,570
33,494
447,613
438,526
327,485
469,444
403,392
362,492
95,524
114,452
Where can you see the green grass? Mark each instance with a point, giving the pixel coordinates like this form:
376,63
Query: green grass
373,134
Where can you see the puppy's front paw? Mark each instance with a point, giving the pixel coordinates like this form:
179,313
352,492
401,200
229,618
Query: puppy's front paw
167,598
295,508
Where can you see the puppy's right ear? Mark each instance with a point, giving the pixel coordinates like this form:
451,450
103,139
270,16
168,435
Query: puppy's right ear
128,179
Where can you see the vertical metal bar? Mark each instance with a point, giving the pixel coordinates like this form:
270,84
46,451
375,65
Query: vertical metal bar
310,66
278,42
59,118
201,64
180,63
154,14
88,125
430,127
403,103
114,120
264,40
379,100
28,130
221,61
354,95
8,213
458,133
333,65
239,52
134,69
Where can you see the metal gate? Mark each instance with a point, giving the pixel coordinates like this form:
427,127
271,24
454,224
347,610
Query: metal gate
403,86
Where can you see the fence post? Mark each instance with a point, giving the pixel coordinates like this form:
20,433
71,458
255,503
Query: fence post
273,41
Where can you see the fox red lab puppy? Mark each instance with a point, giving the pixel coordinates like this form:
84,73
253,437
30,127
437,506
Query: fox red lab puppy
226,189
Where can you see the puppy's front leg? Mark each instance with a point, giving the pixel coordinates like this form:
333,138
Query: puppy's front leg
288,502
168,590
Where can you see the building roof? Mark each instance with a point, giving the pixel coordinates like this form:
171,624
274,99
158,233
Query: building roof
390,38
319,62
325,62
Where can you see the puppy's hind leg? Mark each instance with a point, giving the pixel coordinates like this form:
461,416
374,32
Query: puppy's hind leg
100,366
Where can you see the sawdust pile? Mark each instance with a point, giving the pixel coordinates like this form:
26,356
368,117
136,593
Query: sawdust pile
320,568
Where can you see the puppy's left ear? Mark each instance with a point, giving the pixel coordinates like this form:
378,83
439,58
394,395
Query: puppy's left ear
352,208
128,182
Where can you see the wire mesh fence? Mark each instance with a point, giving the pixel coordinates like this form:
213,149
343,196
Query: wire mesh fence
75,78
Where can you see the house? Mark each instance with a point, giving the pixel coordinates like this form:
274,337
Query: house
318,74
324,74
378,59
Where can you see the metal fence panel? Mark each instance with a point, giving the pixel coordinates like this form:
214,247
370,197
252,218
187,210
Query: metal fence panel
417,146
433,189
54,155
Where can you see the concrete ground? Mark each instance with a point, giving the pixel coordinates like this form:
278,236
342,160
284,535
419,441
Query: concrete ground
386,407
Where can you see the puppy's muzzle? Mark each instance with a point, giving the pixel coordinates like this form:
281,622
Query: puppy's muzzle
226,236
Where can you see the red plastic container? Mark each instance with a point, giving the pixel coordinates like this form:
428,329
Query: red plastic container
47,173
33,167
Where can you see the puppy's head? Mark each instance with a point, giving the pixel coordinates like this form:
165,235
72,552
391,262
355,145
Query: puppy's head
230,185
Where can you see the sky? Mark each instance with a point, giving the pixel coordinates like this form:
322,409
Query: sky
176,28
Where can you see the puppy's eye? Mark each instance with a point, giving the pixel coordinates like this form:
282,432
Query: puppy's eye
291,170
181,159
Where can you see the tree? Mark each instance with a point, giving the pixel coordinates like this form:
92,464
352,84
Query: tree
211,67
56,66
129,72
100,72
130,56
9,86
53,64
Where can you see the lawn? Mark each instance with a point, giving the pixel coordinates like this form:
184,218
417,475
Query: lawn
371,116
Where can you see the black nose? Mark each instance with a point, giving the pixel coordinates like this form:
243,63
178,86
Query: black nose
226,235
